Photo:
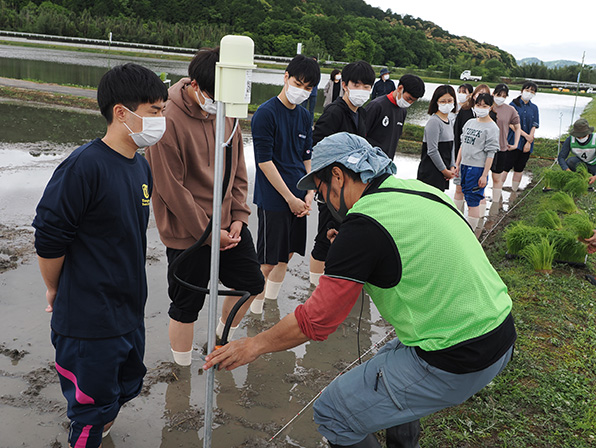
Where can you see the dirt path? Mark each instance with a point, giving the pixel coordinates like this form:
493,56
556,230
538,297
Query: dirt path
44,87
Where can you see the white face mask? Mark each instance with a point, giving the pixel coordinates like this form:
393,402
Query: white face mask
462,98
583,139
481,112
527,95
296,95
445,108
385,77
338,78
401,102
208,106
499,100
358,97
153,130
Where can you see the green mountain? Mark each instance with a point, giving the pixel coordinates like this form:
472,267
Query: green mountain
331,29
550,64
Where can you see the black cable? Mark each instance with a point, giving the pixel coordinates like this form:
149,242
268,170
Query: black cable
360,320
173,268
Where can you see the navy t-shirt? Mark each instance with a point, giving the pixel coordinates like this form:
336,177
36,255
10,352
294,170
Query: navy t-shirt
94,211
283,136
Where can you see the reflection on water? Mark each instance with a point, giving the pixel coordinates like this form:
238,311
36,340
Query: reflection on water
34,123
80,68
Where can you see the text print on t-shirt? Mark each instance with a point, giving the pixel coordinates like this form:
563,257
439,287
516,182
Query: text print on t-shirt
471,136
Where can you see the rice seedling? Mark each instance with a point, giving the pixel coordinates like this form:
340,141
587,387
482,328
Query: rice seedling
583,172
580,224
576,186
567,247
561,202
540,255
548,219
557,178
520,235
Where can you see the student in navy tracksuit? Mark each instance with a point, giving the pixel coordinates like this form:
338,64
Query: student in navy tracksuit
90,236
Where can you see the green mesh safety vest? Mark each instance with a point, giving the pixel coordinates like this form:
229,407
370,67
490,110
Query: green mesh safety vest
587,152
448,291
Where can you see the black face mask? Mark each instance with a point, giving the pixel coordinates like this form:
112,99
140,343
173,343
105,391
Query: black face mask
338,215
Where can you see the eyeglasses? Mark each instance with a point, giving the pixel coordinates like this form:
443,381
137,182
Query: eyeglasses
319,195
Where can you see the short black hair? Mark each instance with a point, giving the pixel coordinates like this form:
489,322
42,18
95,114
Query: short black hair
413,84
433,106
501,88
485,98
334,73
469,88
130,85
305,70
324,175
359,71
530,85
202,69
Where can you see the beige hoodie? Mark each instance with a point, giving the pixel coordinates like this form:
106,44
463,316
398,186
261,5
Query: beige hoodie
182,166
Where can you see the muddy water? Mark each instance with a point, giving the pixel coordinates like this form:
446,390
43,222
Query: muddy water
253,402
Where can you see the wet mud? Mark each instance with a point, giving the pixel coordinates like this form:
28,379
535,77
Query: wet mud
252,403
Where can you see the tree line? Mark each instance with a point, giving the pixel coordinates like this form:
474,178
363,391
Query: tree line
342,30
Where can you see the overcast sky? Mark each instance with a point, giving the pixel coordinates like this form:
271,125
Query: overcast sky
548,31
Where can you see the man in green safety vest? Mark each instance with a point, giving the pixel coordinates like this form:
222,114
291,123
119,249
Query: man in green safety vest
581,143
406,244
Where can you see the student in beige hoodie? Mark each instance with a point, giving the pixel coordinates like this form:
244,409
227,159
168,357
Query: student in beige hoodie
182,165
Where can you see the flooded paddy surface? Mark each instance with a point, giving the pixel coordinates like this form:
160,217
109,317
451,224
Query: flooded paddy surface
252,402
557,112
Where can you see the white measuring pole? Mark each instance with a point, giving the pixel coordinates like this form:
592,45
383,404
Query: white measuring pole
220,124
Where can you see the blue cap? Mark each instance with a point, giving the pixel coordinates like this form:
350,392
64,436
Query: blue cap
353,152
384,71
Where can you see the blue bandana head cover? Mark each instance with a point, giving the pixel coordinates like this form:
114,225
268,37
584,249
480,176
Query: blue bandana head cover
353,152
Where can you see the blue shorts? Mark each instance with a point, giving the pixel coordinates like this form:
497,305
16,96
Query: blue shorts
394,387
97,377
470,175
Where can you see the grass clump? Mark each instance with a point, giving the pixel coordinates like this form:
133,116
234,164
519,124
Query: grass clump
540,255
549,219
561,202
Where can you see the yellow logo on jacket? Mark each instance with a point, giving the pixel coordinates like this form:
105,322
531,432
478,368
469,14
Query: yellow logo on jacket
146,194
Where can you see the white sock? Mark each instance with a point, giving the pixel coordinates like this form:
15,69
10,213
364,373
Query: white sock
514,185
314,278
182,358
481,210
220,328
272,289
473,222
496,194
459,203
257,306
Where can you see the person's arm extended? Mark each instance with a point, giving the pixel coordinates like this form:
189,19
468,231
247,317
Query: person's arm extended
51,269
329,305
297,206
310,194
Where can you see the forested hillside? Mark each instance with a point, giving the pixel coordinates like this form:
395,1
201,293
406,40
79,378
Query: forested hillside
341,30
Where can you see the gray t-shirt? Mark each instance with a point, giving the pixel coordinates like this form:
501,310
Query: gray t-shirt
438,131
479,141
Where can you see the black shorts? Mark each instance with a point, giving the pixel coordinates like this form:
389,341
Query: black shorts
238,269
279,235
502,162
518,160
322,243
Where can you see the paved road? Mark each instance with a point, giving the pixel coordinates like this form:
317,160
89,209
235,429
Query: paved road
54,88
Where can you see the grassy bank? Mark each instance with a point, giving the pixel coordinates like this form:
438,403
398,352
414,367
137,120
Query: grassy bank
546,397
14,93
